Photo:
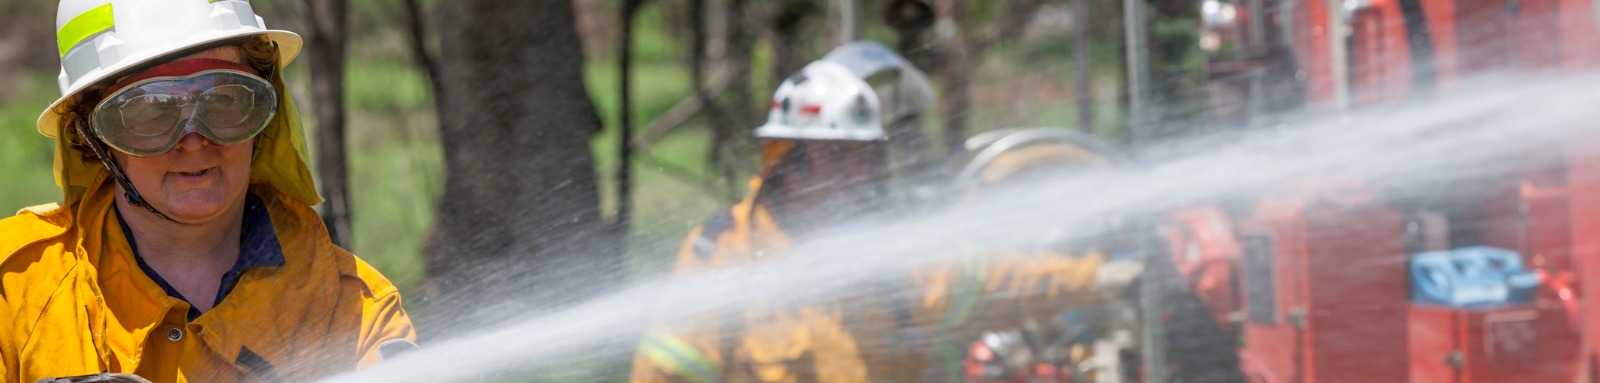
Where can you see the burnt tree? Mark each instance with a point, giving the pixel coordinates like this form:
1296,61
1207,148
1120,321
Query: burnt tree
326,47
519,228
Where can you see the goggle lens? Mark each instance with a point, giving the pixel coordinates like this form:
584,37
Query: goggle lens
148,117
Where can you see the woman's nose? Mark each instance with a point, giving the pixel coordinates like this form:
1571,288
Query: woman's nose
192,139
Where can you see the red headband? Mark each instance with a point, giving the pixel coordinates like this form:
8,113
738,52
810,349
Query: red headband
179,68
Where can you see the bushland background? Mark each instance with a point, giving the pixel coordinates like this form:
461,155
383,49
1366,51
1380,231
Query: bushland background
523,169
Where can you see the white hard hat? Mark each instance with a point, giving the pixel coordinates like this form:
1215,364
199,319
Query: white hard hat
824,102
907,94
102,39
830,99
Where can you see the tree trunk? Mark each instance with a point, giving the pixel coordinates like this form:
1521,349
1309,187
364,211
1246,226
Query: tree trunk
1081,66
625,123
327,70
786,26
519,225
723,133
844,22
955,73
744,27
1177,84
909,148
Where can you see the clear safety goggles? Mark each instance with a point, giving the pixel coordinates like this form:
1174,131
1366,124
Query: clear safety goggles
148,117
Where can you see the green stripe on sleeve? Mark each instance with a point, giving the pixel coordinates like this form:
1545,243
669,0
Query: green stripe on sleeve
681,358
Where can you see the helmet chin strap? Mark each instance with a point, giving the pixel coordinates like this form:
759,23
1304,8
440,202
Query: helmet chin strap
129,191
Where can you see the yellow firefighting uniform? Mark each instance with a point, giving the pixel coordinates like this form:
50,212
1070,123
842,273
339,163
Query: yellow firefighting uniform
950,306
993,292
73,300
1001,289
762,343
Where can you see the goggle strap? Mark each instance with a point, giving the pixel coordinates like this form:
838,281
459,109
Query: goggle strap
131,193
181,68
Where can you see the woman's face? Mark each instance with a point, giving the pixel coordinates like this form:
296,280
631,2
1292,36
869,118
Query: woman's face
198,180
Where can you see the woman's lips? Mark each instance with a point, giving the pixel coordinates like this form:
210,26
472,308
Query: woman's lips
197,175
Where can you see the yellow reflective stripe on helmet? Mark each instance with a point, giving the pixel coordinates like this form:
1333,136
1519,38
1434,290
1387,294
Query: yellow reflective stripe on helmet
84,25
679,357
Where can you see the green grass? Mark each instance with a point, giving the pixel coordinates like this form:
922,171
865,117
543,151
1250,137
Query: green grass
667,205
381,85
25,155
670,193
395,182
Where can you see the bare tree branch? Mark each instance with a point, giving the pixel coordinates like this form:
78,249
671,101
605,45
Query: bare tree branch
416,30
679,114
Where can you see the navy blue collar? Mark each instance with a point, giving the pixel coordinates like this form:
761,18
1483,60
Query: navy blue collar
258,241
258,247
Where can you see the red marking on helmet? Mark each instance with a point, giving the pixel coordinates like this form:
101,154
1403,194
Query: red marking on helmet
811,109
776,104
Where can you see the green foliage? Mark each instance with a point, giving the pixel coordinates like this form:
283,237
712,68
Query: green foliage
25,155
656,42
395,184
379,85
657,87
670,193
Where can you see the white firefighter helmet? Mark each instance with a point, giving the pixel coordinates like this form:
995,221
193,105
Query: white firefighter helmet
997,155
831,98
103,39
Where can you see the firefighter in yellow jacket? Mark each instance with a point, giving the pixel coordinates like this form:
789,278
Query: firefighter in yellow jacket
823,157
185,248
1005,289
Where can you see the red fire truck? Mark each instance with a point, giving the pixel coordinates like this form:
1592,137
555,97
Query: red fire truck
1320,279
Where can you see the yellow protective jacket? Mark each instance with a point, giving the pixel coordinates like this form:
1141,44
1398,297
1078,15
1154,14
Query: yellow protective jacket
760,343
983,292
73,301
949,305
1001,291
990,289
